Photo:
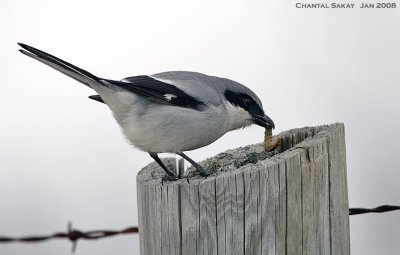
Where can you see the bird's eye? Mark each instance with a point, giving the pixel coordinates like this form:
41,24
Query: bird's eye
246,101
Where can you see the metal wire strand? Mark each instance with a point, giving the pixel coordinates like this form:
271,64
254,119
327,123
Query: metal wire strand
379,209
74,234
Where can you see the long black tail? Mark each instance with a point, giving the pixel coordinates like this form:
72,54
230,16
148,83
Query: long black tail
60,65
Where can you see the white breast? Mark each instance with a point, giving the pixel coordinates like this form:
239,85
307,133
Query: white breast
173,129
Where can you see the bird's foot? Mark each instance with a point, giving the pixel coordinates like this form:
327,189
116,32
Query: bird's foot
204,173
168,178
200,170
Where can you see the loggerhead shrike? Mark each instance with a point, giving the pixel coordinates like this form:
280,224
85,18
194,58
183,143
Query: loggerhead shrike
171,111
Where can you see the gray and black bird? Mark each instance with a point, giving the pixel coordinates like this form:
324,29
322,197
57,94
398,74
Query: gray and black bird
171,111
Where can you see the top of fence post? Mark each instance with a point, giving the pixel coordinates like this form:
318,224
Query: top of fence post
292,202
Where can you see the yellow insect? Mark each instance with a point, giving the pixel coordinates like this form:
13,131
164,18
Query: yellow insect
269,144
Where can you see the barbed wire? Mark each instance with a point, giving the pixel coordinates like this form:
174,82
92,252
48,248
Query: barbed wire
74,235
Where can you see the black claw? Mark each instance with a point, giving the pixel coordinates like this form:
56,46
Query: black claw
169,178
204,173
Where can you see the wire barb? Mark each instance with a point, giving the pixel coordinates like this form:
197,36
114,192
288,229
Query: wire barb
72,235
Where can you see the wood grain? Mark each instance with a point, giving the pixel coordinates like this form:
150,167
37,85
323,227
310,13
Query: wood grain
293,201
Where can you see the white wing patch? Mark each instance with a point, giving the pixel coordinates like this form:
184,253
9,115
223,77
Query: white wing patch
169,96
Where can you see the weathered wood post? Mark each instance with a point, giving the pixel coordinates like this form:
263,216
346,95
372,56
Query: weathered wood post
294,202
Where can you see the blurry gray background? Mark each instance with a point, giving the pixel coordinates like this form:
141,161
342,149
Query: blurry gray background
63,158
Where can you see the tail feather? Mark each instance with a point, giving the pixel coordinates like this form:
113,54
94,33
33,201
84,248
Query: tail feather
60,65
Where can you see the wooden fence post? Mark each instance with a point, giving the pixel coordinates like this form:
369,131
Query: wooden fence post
294,202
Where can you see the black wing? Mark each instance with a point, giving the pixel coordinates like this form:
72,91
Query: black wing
159,91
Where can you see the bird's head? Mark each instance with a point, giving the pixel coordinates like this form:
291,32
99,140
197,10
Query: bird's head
245,108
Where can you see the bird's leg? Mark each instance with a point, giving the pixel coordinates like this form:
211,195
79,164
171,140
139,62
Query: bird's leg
203,172
170,175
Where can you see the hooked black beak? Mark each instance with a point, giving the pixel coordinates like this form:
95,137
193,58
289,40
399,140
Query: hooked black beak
263,121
